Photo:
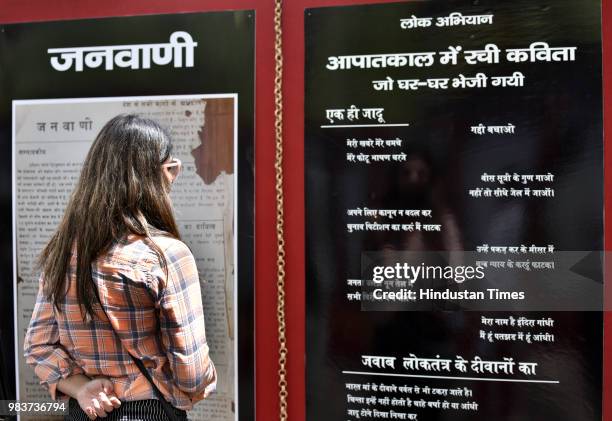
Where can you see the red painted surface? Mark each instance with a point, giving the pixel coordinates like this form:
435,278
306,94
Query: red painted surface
265,238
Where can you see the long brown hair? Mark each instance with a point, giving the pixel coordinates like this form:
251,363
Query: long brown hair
121,190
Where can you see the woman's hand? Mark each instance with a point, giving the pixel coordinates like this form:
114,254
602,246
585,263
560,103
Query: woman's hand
97,398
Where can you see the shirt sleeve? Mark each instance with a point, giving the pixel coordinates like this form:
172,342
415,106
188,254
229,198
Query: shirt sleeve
182,325
43,350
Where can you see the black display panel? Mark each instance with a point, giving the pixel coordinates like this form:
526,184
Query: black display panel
193,72
454,211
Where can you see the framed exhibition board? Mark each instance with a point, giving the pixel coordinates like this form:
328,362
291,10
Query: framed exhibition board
265,341
61,82
454,211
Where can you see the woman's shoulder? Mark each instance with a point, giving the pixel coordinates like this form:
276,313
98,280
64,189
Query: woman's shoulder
169,245
140,250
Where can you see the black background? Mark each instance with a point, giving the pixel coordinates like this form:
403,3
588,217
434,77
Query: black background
223,63
558,119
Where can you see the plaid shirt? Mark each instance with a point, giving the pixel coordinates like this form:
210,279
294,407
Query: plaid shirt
155,318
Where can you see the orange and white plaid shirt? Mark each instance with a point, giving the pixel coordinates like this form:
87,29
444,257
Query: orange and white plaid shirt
155,318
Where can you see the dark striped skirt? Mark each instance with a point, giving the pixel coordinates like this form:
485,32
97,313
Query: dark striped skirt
143,410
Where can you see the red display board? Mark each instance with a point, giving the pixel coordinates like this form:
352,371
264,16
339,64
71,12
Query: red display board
12,11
